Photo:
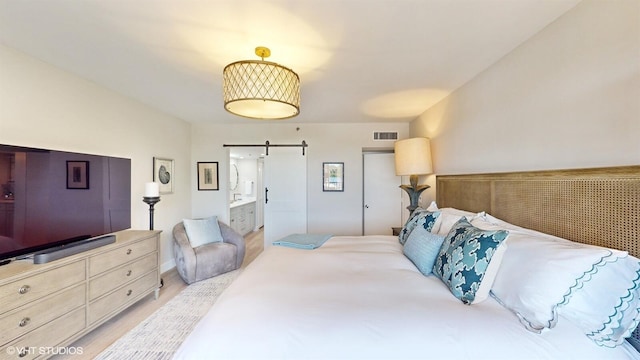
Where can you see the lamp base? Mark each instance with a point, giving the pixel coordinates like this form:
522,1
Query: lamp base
414,191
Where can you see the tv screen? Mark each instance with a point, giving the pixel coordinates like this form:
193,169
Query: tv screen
50,198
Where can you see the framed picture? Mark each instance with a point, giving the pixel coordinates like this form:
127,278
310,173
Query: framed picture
163,174
332,176
77,174
208,176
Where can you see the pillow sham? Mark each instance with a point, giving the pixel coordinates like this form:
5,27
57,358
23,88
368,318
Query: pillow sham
469,259
202,231
419,218
448,217
607,306
542,276
422,247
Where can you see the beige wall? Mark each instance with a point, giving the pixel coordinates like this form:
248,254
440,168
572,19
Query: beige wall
44,107
569,97
338,212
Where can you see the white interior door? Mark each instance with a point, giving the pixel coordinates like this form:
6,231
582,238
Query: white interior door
382,208
285,194
260,195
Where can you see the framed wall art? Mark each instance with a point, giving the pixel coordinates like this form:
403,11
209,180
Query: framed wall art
208,178
163,174
332,176
78,175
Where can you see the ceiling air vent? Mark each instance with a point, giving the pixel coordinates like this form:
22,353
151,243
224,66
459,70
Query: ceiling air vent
382,135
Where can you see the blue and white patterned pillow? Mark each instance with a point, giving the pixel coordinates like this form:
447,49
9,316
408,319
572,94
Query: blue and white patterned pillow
422,248
468,260
419,217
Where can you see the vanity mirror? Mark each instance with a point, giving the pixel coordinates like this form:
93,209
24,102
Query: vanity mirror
233,177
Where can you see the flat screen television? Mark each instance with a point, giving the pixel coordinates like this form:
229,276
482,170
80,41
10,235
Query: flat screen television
51,199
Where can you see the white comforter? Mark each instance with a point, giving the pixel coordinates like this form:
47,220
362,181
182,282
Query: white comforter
361,298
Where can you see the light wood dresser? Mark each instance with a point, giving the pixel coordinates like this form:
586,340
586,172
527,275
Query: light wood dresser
45,307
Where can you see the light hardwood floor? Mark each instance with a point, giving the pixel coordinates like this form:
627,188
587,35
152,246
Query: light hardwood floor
99,339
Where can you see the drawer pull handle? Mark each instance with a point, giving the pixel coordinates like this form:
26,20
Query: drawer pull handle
129,292
24,352
128,251
129,273
24,289
24,322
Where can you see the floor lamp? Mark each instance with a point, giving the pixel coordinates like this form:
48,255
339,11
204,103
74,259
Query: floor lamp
413,158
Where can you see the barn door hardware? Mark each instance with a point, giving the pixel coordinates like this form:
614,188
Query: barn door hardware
267,145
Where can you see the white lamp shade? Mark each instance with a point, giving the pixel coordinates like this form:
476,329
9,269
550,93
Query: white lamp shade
413,156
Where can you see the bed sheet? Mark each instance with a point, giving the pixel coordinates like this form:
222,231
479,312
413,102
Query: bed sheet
361,298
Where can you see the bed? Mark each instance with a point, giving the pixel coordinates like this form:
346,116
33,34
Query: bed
368,297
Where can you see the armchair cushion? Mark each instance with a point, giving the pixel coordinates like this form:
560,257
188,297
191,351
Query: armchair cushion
202,231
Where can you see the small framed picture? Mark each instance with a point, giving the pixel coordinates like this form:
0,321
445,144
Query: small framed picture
78,175
208,176
163,174
332,176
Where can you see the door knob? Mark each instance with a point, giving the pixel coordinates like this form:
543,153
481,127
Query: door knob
366,206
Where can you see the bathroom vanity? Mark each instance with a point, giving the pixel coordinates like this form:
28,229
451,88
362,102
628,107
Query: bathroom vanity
243,215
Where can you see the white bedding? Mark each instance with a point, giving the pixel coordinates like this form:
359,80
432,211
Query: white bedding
361,298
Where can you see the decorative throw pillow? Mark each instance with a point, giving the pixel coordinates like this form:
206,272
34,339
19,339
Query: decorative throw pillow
422,247
202,231
469,259
419,217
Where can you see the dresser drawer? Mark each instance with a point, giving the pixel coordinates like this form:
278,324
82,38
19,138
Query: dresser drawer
44,340
29,317
116,257
120,297
123,274
21,292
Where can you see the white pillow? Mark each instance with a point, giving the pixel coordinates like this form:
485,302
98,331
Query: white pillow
202,231
607,306
540,274
448,217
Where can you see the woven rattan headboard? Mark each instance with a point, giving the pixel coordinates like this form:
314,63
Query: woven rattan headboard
593,206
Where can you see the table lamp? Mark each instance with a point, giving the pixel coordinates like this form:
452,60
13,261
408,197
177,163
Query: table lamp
413,158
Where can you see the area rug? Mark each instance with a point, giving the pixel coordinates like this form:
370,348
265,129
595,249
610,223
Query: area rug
160,335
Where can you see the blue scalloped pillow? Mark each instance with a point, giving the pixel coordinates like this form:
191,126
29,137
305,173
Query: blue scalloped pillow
422,248
419,217
469,259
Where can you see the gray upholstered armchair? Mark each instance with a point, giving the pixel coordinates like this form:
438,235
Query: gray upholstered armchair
208,260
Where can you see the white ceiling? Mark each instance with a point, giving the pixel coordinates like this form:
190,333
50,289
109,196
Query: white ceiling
358,60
